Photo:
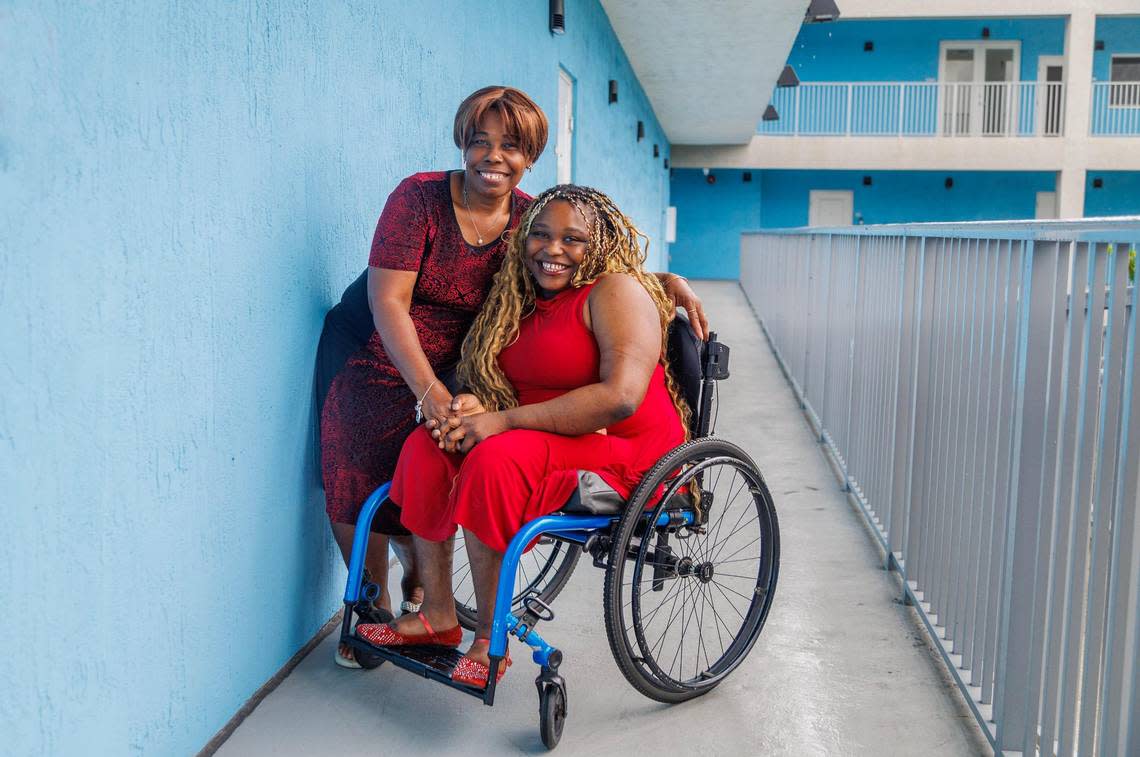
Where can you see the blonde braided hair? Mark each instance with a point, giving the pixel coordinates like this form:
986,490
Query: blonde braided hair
615,246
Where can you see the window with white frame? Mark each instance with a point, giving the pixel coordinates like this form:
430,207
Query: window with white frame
1124,78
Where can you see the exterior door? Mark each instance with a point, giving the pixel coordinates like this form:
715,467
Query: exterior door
828,207
1046,205
564,141
978,88
1050,95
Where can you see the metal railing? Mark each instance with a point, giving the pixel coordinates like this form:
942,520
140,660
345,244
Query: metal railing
919,109
973,385
1115,109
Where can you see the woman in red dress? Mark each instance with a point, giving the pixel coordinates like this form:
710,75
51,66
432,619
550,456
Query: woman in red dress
567,359
437,246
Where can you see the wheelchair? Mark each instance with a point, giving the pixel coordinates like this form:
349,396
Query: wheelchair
691,561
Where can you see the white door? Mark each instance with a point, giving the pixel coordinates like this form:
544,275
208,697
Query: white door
978,88
1050,95
564,141
831,207
1046,205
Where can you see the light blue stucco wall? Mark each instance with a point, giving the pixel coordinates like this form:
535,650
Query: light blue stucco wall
185,188
710,219
1118,195
908,49
1121,36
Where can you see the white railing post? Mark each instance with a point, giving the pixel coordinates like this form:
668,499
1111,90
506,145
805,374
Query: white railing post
902,110
849,104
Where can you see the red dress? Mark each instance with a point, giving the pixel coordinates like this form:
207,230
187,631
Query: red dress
517,476
369,411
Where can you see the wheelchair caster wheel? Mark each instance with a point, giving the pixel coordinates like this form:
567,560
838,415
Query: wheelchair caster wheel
552,713
367,660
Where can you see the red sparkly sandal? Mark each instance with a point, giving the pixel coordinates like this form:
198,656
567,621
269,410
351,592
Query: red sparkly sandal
383,635
472,673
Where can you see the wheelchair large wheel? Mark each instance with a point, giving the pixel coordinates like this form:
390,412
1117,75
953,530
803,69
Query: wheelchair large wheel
543,571
684,604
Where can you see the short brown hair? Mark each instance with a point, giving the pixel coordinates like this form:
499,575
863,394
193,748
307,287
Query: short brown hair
521,116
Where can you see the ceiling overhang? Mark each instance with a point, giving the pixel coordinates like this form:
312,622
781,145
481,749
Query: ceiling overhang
708,68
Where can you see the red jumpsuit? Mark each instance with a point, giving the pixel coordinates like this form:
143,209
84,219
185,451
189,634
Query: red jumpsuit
514,477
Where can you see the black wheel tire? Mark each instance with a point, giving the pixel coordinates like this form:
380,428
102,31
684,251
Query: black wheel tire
367,660
548,581
551,714
632,660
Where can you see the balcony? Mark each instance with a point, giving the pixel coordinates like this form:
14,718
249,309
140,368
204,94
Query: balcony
1115,109
920,109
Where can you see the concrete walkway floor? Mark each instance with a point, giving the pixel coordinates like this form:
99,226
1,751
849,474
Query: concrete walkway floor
841,668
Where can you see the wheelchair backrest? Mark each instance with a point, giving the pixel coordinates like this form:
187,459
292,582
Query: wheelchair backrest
695,365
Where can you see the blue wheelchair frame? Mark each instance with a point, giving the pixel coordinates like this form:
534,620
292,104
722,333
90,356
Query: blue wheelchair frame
434,663
572,528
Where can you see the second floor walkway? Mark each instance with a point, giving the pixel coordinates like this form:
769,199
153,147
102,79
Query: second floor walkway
842,667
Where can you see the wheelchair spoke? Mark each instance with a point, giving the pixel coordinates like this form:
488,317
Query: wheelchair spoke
705,592
741,549
721,588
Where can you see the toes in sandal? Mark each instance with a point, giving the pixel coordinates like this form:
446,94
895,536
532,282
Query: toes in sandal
386,636
345,660
369,613
473,673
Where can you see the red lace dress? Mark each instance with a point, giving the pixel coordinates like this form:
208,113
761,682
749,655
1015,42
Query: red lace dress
519,475
370,410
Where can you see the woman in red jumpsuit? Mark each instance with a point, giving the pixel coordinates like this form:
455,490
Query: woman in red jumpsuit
566,361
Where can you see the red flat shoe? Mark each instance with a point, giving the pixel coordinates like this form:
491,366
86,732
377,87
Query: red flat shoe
383,635
472,673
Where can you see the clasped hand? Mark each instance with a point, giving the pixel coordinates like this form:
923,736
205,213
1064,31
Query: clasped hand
467,423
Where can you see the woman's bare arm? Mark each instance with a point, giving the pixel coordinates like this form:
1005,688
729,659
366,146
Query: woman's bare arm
390,297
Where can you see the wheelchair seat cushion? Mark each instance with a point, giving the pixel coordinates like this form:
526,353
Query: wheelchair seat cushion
593,496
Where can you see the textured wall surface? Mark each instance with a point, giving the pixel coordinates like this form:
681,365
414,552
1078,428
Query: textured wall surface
710,218
908,49
1118,194
184,190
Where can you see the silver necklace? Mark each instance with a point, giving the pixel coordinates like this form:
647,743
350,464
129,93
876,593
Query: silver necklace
470,217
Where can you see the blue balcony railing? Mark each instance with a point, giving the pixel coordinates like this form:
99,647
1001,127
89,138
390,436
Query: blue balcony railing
919,109
1115,109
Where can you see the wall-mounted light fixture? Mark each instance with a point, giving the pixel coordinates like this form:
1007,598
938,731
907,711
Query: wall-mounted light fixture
869,46
1098,44
557,16
640,130
770,113
667,166
985,32
788,78
613,91
1098,183
866,181
949,183
821,10
746,177
656,151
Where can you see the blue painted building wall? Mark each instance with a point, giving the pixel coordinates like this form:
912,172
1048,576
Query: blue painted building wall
184,190
908,49
710,218
1121,36
1118,195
